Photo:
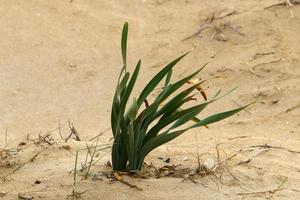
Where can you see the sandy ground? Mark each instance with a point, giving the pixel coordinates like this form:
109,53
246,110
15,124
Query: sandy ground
59,61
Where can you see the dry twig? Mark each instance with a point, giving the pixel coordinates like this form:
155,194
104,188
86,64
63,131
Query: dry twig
265,192
101,133
22,165
92,158
75,175
73,132
119,178
238,137
266,146
23,197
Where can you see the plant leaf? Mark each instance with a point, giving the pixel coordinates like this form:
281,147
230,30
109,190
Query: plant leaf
124,44
174,87
167,137
168,78
158,141
218,117
176,101
157,78
130,86
164,122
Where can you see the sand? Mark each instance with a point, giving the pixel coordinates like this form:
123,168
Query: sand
60,59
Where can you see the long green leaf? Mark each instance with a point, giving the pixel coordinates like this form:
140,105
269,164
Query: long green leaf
187,117
125,97
149,112
157,78
123,85
168,78
176,101
116,108
174,87
218,117
130,86
124,44
172,118
158,141
131,136
114,115
167,92
166,137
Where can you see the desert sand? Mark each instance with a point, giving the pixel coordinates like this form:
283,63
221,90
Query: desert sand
60,60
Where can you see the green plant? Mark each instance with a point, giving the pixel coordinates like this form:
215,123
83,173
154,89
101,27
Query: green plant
138,131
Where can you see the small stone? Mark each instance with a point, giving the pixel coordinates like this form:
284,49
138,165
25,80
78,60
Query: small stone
185,158
2,194
166,173
209,164
294,1
220,37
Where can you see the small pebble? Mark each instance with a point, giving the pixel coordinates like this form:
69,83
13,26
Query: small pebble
186,176
185,158
166,173
209,164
